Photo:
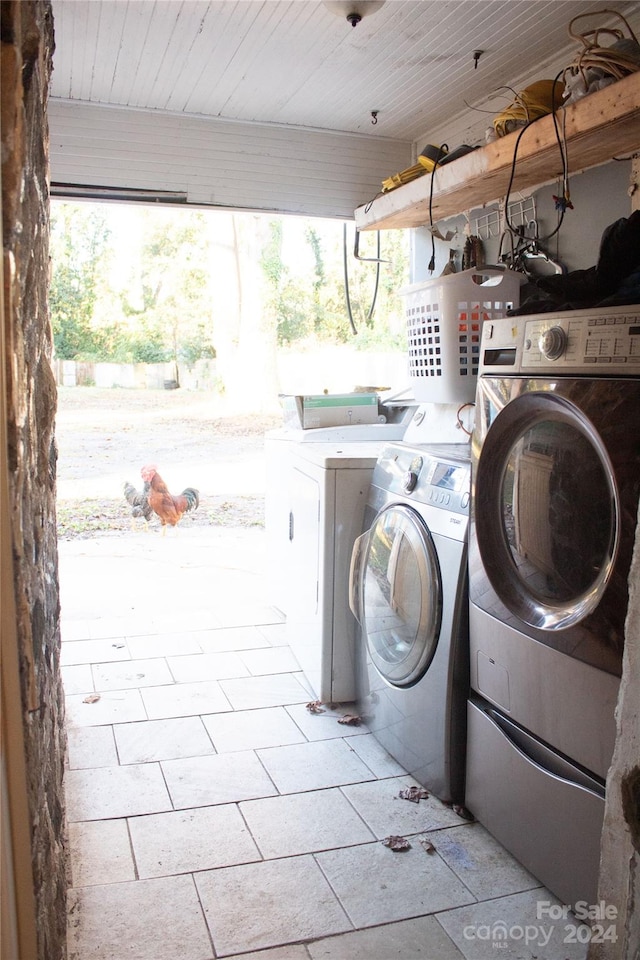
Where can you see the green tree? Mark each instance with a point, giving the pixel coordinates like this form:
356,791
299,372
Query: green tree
173,295
382,329
169,294
387,327
319,275
79,247
161,310
312,307
288,301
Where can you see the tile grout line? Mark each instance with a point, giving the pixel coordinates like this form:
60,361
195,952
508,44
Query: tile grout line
214,952
136,869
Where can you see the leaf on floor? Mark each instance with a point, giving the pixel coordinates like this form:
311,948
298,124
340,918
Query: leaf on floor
315,706
396,843
92,698
462,812
350,719
427,845
415,794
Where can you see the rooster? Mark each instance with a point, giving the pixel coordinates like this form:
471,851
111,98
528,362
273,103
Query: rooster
138,501
169,508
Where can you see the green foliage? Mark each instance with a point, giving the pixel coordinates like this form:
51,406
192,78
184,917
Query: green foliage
199,346
319,276
293,320
169,291
287,301
378,311
271,259
79,239
153,310
154,301
313,305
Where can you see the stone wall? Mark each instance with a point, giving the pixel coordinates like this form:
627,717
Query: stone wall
619,886
27,48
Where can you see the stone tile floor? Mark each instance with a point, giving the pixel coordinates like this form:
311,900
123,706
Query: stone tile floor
212,815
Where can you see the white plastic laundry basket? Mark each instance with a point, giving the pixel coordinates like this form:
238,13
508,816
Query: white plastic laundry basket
444,323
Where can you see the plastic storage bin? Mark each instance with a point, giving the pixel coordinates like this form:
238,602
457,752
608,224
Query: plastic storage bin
444,323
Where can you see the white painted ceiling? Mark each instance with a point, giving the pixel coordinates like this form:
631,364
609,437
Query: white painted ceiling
295,62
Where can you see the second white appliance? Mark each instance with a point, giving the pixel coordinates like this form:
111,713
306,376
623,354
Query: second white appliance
327,487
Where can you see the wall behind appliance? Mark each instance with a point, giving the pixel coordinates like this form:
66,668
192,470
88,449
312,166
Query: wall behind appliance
600,197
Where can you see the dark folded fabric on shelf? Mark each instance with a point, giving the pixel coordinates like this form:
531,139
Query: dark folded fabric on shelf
615,279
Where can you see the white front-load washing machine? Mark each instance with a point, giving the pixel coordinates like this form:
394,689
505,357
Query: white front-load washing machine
408,591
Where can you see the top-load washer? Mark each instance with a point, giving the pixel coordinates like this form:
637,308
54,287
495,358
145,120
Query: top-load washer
284,448
556,482
409,593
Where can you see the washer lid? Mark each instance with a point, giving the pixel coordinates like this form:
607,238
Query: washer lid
401,601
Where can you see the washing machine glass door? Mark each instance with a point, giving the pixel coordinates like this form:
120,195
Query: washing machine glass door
401,601
546,511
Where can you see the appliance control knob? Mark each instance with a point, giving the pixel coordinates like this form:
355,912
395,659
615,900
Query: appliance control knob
553,343
410,480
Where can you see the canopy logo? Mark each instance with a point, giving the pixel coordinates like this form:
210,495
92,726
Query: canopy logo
560,924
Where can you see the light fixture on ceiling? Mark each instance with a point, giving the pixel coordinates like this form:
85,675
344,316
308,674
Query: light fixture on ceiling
353,10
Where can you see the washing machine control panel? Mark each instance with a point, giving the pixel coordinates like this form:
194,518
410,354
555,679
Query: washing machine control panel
599,342
596,343
439,483
448,484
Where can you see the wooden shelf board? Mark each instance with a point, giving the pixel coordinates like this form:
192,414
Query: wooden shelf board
604,125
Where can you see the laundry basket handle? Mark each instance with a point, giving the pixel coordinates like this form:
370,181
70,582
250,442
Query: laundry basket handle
495,272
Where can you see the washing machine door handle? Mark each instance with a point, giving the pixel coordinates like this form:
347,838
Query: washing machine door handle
355,575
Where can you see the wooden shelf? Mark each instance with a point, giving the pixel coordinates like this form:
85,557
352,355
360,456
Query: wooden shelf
599,127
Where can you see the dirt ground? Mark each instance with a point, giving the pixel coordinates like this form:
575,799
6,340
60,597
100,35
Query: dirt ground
105,436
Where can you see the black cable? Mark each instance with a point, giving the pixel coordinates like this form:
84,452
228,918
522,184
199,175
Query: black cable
442,152
376,285
510,226
346,279
562,144
512,175
370,203
347,294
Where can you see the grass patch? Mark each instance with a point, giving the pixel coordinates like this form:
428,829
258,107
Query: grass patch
82,519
